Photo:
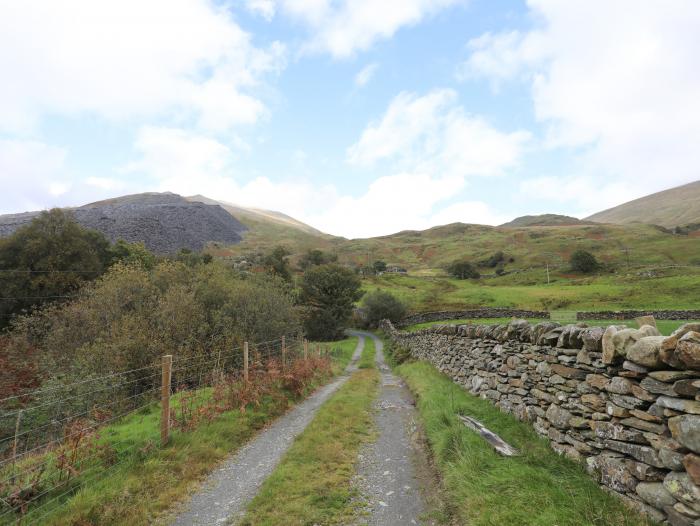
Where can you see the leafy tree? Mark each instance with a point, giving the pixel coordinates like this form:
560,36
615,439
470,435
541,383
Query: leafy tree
380,305
463,270
315,257
583,261
276,263
48,260
132,253
379,266
328,292
495,259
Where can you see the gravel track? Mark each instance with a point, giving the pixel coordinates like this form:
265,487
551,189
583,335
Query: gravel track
230,488
391,472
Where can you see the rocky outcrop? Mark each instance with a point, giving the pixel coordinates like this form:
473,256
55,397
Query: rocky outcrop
625,402
472,314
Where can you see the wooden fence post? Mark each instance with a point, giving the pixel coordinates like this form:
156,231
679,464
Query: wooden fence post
306,349
167,369
245,361
284,352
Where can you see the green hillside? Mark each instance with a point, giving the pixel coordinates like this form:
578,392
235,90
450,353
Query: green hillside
678,206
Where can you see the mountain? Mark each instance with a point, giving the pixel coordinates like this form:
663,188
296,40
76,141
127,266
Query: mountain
678,206
165,222
257,215
545,220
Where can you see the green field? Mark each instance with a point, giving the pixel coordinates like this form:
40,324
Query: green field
672,289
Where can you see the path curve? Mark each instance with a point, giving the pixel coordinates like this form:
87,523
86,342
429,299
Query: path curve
229,489
387,471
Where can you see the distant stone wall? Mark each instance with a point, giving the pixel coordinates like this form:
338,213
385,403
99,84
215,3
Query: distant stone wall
632,314
624,401
486,312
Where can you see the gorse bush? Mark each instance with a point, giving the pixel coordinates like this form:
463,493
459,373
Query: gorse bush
583,261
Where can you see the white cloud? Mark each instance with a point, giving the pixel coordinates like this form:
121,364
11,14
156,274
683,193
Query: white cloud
615,81
128,59
31,174
433,134
365,74
264,8
345,27
182,162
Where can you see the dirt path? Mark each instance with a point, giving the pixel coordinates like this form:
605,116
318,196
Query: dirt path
393,472
229,489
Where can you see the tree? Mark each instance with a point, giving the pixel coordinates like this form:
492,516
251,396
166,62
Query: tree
328,292
379,266
48,260
380,306
276,263
463,270
583,261
315,257
130,253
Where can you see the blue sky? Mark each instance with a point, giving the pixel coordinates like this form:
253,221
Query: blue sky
359,117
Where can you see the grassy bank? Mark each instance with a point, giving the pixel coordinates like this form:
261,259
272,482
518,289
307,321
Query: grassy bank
312,483
483,488
341,352
666,327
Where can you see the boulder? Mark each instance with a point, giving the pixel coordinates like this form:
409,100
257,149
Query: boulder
655,493
682,487
558,416
616,341
645,351
691,462
688,350
686,430
592,338
686,328
679,404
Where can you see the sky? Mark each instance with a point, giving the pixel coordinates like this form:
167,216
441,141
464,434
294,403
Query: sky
359,117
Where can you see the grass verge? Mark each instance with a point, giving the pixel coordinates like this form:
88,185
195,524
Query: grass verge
341,352
142,480
312,484
367,358
482,488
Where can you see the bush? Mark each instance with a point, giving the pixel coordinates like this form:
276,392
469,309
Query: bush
463,270
583,261
315,257
379,305
328,293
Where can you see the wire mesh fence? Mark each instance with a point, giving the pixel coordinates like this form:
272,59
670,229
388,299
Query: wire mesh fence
61,437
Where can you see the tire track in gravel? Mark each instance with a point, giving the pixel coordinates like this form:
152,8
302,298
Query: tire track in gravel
228,490
393,473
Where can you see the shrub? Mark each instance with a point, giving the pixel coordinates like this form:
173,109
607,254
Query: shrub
463,270
583,261
379,266
315,257
379,305
328,293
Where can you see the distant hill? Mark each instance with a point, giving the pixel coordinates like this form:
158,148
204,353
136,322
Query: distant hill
678,206
165,222
545,220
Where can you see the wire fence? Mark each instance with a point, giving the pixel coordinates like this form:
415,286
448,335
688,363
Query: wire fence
61,437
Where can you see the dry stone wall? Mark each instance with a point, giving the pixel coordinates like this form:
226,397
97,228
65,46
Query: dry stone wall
487,312
632,314
626,402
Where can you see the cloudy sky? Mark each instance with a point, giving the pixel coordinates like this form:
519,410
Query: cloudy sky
360,117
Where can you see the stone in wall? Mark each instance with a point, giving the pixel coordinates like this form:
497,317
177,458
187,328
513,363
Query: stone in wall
625,401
